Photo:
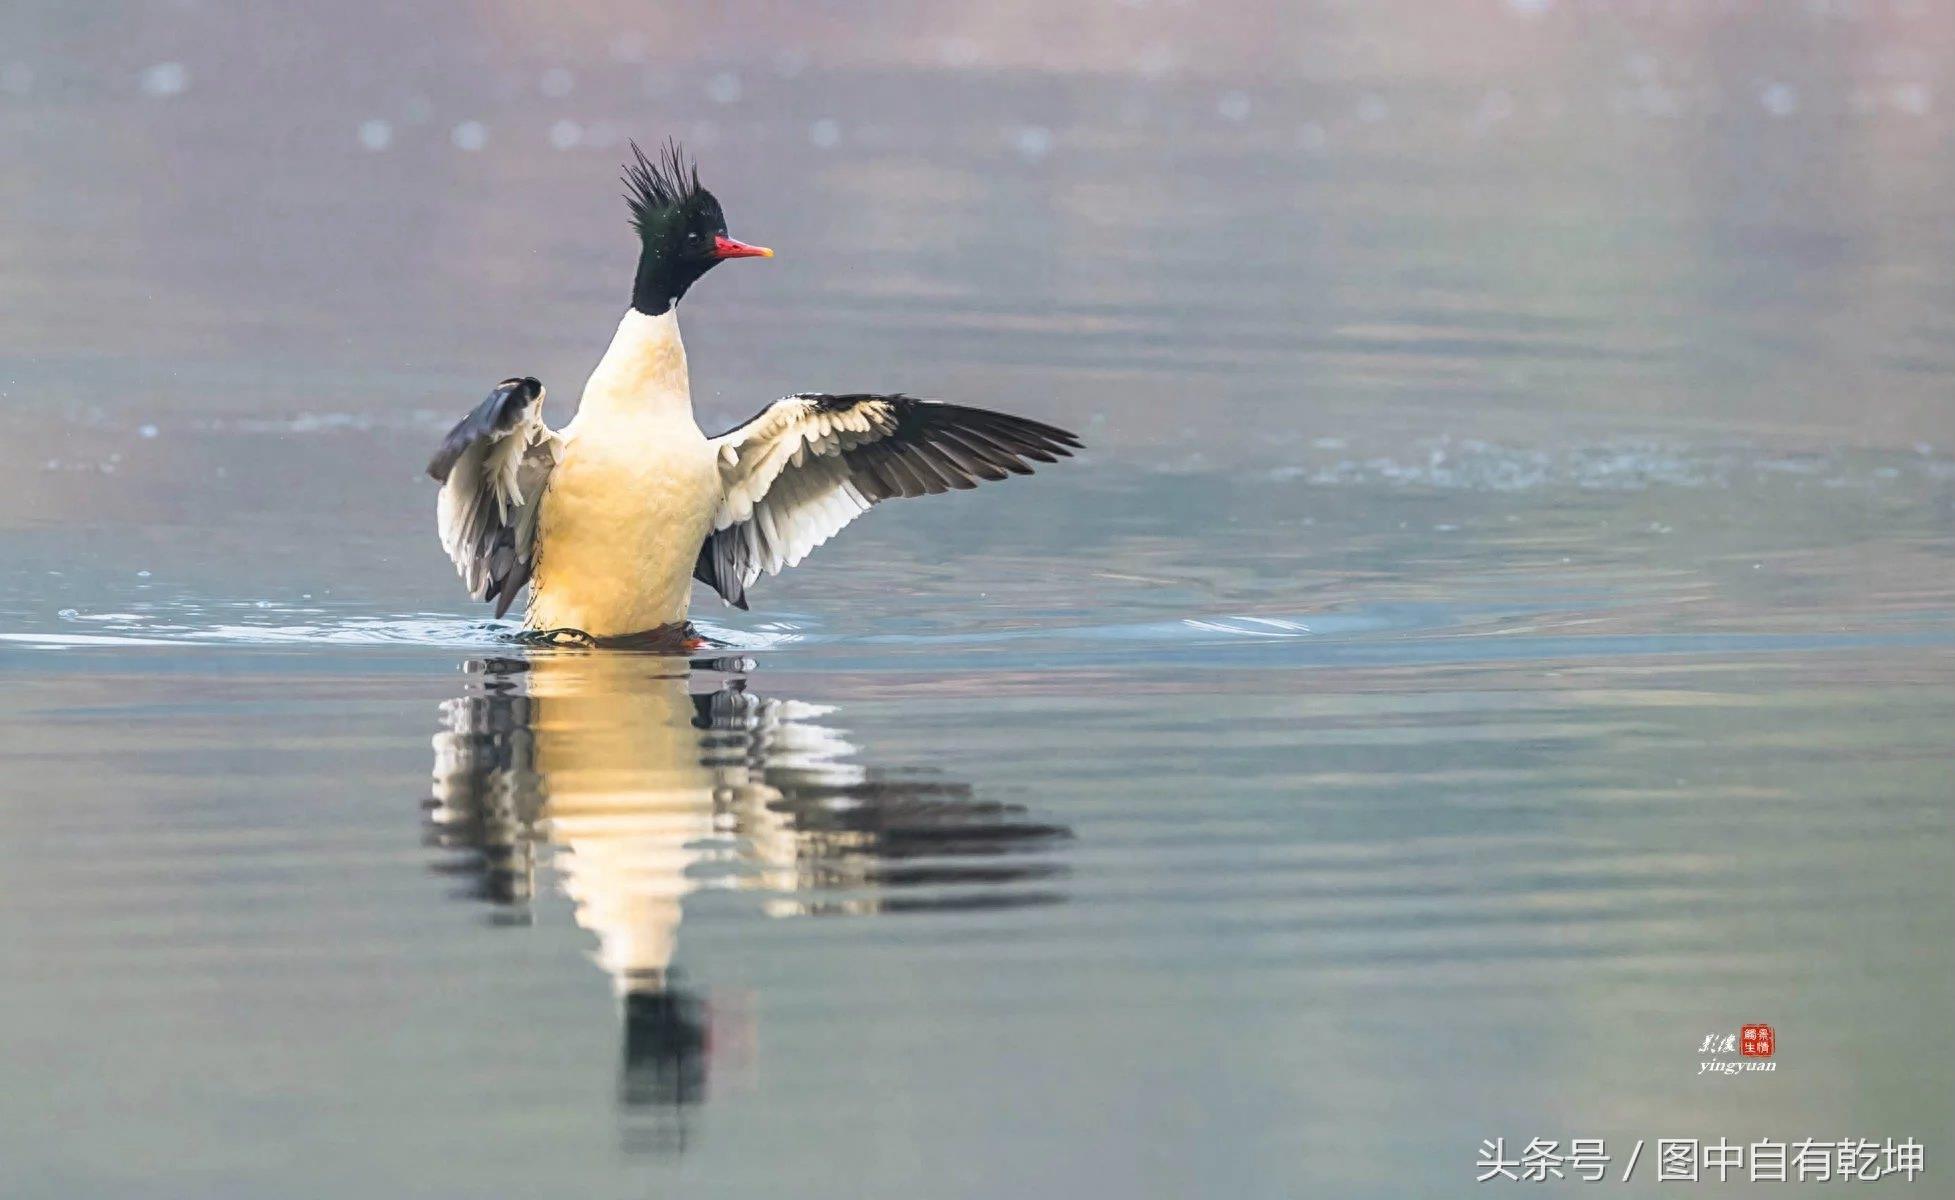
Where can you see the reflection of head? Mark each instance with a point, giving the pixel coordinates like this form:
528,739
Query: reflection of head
665,1037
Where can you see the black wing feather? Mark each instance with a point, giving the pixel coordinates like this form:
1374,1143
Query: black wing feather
722,567
498,414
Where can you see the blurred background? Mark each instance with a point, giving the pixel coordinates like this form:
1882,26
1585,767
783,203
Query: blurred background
1501,633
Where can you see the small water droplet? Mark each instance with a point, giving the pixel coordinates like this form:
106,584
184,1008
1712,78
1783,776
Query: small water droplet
1496,106
376,134
166,79
1234,106
628,47
825,133
470,136
723,88
147,431
960,52
142,574
1032,141
565,134
556,83
1912,98
1156,61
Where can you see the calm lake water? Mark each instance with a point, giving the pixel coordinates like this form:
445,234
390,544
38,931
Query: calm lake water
1502,633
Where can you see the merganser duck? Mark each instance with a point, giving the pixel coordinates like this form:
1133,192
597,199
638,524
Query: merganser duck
610,519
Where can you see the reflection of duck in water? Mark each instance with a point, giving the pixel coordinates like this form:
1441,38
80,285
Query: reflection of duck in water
642,791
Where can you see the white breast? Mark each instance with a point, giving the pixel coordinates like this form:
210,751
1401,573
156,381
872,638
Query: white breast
632,496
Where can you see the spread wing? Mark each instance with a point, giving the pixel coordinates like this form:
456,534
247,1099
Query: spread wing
493,468
807,465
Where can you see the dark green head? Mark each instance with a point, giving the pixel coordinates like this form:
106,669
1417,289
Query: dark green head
681,230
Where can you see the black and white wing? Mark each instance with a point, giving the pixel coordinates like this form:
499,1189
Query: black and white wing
807,465
493,468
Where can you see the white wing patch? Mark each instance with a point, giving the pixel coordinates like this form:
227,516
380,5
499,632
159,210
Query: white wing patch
805,467
789,483
494,467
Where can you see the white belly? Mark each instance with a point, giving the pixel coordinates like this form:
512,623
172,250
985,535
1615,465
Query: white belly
629,504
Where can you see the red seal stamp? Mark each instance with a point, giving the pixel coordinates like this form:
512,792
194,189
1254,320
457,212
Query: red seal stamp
1756,1041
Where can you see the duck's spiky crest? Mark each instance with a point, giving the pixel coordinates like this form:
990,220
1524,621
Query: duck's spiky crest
655,184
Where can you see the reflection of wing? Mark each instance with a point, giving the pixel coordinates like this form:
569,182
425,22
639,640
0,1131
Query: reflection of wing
809,464
486,797
493,467
859,839
649,792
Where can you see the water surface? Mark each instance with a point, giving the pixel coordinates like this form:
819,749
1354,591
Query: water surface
1503,630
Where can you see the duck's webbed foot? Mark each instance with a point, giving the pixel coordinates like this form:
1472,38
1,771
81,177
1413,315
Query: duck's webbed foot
557,637
676,638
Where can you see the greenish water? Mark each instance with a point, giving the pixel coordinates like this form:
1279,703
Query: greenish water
1503,630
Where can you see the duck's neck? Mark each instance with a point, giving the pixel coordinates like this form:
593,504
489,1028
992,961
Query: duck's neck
642,374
